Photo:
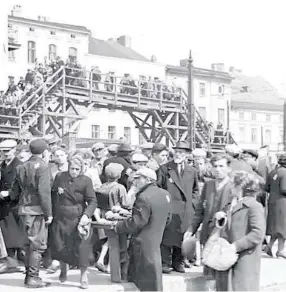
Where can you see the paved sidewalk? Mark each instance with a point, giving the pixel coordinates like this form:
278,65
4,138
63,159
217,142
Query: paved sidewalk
273,278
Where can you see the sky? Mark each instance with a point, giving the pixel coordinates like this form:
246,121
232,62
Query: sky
246,34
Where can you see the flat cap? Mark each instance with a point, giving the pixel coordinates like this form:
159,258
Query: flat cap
114,170
146,172
233,149
112,148
139,157
97,146
158,147
199,153
8,144
38,146
251,152
147,146
124,147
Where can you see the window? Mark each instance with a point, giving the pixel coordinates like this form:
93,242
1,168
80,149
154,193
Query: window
31,29
11,55
95,131
111,132
202,111
72,54
31,52
202,89
253,116
73,36
268,136
254,135
52,52
221,90
127,134
241,116
52,32
241,134
268,118
141,139
220,117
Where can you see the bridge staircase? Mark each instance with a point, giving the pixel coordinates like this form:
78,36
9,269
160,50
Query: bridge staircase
58,105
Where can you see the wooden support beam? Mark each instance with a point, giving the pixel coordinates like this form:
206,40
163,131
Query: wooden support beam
164,128
71,103
53,124
61,115
134,118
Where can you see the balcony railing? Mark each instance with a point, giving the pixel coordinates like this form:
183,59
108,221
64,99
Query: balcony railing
12,35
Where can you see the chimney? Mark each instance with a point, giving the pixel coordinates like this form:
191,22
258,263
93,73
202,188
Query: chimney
184,63
17,10
125,41
218,67
232,69
153,59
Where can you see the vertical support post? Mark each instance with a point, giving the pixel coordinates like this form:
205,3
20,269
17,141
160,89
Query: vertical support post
284,125
115,89
262,136
161,96
90,84
139,93
191,102
64,104
153,132
43,130
177,130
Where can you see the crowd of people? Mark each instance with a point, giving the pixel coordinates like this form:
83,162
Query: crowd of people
128,211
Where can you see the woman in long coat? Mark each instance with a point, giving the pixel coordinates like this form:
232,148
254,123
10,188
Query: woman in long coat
245,231
276,219
74,202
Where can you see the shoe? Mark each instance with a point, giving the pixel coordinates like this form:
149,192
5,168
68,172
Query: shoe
101,267
64,271
281,254
187,264
4,269
53,267
268,251
166,270
36,282
179,268
84,283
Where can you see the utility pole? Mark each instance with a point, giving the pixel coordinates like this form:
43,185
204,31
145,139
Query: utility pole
191,113
284,125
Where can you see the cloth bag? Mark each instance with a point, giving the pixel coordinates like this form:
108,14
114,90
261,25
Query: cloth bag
218,253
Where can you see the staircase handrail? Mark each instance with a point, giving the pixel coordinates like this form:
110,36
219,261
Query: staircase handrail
40,88
196,111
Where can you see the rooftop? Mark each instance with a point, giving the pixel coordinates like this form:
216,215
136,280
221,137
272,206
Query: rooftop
49,23
200,72
254,89
113,49
256,106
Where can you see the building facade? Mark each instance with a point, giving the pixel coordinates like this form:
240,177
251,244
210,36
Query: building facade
211,89
256,117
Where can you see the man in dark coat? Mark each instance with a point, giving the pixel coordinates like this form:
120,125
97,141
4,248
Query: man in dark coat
151,213
9,218
32,190
181,181
123,157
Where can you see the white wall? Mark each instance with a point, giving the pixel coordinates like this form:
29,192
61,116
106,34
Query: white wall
268,132
3,45
43,38
212,101
121,66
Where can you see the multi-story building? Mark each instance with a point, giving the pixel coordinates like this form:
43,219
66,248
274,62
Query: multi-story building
212,89
256,117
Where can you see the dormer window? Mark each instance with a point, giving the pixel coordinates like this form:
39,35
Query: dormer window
31,29
73,36
244,89
52,32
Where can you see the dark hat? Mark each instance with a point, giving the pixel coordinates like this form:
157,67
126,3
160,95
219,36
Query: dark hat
158,147
124,148
182,145
38,146
251,152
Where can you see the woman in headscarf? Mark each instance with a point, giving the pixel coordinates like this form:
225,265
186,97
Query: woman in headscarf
245,231
74,202
276,220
